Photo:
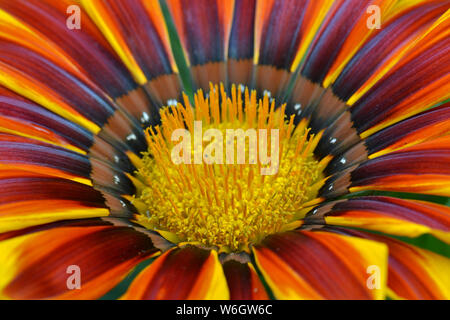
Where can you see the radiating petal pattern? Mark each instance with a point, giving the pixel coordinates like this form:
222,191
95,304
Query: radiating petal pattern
243,281
37,263
386,214
186,273
320,265
241,42
85,51
414,273
22,117
418,81
75,106
409,21
204,40
418,168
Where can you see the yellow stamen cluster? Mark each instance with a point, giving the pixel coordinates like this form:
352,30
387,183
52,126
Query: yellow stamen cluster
229,206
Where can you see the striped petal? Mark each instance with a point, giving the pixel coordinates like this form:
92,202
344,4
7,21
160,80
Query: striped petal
65,94
243,281
241,42
27,154
407,23
23,214
413,33
20,116
426,126
388,215
203,27
35,265
414,171
54,80
419,81
186,273
29,199
40,24
321,265
342,18
419,168
413,273
154,70
25,161
283,32
86,54
121,21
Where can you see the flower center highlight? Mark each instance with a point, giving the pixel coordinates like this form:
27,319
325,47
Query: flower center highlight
227,172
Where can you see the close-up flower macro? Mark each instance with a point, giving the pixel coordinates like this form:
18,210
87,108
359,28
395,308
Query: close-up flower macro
225,149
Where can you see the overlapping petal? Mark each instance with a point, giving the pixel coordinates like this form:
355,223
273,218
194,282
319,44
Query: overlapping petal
243,281
181,273
320,265
389,215
408,21
418,168
414,273
86,52
35,265
120,23
73,104
429,125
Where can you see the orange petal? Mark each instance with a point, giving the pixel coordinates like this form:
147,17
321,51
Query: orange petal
181,273
405,23
41,26
414,273
426,126
321,265
243,281
421,171
388,215
35,265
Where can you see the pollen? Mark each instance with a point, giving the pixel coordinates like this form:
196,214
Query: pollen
227,171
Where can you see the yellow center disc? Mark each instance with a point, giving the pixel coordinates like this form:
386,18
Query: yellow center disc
227,172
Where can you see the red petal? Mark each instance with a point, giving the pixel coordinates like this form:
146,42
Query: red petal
34,266
320,265
414,273
186,273
243,281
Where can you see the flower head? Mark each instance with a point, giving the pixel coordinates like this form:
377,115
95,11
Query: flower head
243,149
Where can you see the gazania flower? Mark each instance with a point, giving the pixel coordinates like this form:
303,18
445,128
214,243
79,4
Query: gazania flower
92,91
